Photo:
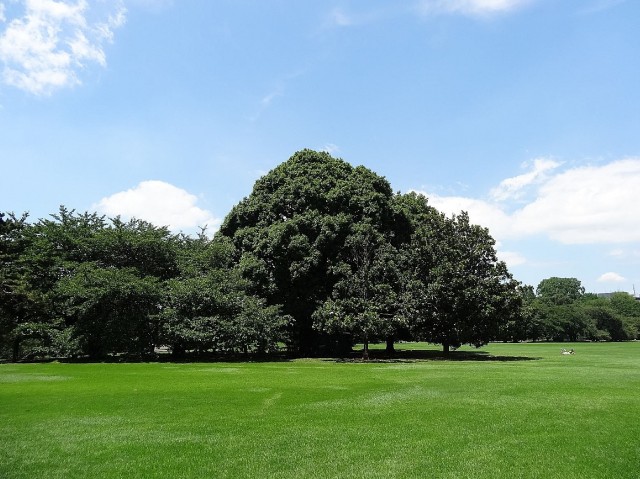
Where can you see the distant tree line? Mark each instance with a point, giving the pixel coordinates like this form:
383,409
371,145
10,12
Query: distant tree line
321,255
560,310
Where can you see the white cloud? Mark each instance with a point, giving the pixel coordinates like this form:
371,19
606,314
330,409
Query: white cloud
46,48
470,7
278,90
160,203
592,204
514,187
611,278
512,258
487,214
584,205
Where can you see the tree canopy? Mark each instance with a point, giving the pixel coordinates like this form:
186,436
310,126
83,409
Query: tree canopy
293,233
562,311
319,256
560,290
344,256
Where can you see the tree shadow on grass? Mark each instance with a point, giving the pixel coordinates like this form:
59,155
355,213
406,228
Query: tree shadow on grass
186,359
411,356
355,356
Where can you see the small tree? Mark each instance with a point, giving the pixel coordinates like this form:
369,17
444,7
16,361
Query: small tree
560,290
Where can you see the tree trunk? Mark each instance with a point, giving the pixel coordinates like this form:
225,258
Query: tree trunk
390,349
16,350
178,351
445,348
365,350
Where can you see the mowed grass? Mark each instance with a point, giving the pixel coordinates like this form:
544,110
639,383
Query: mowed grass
525,411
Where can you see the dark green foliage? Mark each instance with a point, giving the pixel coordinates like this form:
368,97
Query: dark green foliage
528,324
14,297
560,290
213,312
210,307
563,312
348,259
291,233
111,309
88,287
319,256
458,292
364,300
79,285
614,318
137,244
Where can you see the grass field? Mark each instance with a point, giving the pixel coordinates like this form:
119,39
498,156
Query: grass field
512,411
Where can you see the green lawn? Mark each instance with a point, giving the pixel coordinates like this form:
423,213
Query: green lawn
524,412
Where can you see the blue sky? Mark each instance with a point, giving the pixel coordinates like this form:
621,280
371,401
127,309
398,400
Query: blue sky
525,113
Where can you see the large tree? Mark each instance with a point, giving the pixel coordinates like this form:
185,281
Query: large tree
458,292
290,233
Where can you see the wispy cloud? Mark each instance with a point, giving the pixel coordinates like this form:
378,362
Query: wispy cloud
514,187
45,48
331,148
470,7
268,99
625,254
582,205
160,203
339,18
600,6
277,91
151,5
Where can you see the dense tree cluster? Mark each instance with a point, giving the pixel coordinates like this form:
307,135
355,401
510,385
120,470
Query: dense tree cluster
319,256
77,285
349,260
560,310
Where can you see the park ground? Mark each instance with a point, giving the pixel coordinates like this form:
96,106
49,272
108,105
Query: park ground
504,410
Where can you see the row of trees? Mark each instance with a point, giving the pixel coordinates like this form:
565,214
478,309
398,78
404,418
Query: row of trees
319,256
560,310
79,285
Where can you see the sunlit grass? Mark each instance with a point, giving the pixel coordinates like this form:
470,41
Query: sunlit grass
542,417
